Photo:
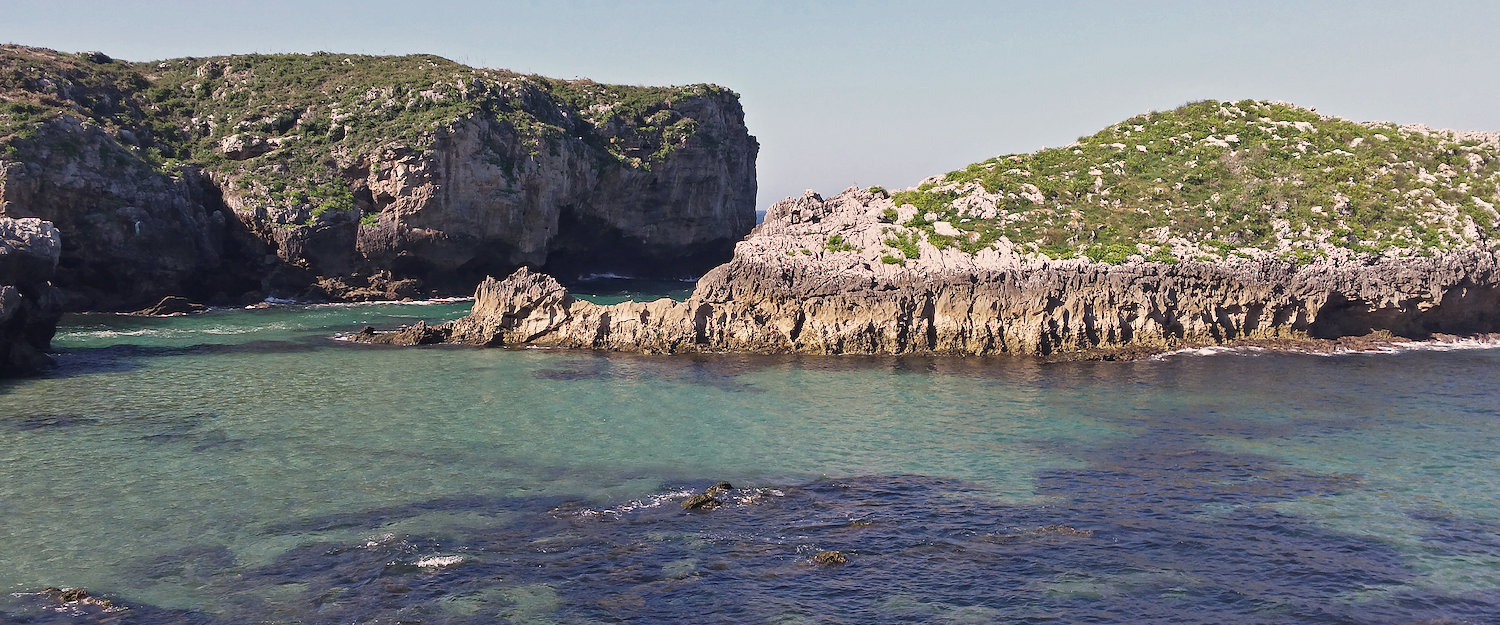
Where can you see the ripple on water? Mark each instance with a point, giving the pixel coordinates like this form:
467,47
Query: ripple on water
919,549
1175,491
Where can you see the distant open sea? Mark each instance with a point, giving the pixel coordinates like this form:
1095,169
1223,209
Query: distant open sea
245,466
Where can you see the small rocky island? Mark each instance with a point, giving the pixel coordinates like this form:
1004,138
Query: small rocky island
1216,223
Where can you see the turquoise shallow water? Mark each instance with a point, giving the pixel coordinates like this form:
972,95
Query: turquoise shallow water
242,465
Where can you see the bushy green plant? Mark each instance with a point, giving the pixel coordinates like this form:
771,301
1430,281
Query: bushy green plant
836,243
905,243
1227,175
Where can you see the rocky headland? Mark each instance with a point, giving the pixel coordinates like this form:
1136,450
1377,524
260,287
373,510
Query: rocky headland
1217,223
344,177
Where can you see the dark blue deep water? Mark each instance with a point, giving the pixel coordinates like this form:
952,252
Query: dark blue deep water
245,467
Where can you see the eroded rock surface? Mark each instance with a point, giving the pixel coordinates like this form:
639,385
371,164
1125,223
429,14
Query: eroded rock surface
132,233
223,181
787,291
29,306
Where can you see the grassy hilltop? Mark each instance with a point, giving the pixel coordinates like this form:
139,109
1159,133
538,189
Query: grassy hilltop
284,128
1210,180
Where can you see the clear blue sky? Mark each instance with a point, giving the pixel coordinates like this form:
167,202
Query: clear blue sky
880,93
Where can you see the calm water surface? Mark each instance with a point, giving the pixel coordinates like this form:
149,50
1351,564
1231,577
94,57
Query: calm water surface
241,466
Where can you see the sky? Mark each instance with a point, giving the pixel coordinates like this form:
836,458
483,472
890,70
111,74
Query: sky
878,93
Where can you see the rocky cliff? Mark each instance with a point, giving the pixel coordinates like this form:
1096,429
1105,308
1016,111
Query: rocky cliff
356,177
949,268
29,304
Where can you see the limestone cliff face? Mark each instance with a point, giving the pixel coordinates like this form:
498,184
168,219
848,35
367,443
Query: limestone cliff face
478,202
29,306
133,233
319,176
787,291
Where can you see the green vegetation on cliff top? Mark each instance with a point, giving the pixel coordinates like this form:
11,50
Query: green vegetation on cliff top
289,129
1213,179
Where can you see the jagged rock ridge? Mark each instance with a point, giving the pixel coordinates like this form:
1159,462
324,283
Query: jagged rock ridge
772,298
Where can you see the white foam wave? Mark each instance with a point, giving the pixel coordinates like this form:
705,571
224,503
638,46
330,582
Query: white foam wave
741,496
416,302
637,504
1208,351
171,332
752,496
372,542
241,329
1444,344
109,334
1432,345
437,562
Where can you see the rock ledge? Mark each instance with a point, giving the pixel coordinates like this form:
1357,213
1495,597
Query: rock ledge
786,292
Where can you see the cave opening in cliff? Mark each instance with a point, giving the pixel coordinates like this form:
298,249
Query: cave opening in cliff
587,245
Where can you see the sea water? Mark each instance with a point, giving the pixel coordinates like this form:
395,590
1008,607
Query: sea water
247,466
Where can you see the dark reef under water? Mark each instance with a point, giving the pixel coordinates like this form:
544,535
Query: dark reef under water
1159,516
1158,529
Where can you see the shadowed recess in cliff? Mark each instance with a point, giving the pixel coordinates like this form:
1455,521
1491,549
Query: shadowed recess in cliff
587,245
1465,308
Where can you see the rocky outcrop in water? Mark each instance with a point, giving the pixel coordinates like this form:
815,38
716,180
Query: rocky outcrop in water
29,306
789,290
228,179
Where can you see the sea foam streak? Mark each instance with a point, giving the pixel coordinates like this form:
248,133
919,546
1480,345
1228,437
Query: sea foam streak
1442,344
637,504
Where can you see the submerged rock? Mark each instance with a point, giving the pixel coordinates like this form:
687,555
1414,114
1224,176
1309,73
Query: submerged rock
76,596
172,305
701,502
1062,530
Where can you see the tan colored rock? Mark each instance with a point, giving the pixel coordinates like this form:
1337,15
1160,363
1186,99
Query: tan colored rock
947,302
238,147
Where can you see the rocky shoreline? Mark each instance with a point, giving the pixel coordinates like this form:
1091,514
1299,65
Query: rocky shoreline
788,291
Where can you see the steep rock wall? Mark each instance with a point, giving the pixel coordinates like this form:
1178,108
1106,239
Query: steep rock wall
477,203
326,176
130,232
